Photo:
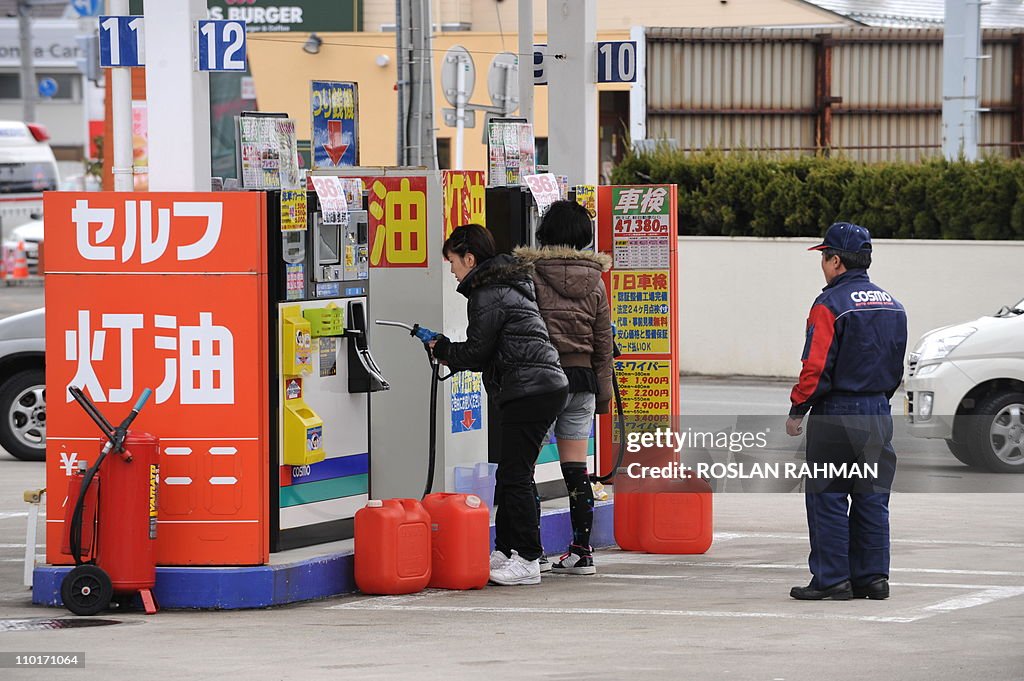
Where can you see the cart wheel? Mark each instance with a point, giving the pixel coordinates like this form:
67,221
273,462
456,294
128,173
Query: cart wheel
86,590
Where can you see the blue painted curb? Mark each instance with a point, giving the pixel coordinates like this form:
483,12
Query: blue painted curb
263,586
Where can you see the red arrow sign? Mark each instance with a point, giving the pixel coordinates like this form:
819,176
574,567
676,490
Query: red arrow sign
467,419
335,148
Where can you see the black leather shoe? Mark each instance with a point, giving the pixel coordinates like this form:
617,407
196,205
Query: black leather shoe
836,592
876,590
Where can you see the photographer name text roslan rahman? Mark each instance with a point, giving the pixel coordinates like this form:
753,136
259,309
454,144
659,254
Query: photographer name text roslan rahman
733,470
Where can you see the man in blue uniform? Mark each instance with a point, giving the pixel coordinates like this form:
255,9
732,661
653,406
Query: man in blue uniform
852,365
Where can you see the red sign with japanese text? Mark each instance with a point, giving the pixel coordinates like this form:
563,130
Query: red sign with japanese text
463,198
167,292
398,221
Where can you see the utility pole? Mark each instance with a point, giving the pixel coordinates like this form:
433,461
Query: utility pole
28,69
572,92
417,142
177,97
526,59
961,66
401,70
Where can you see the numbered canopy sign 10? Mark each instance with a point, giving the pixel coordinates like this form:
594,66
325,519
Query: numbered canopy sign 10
616,61
221,45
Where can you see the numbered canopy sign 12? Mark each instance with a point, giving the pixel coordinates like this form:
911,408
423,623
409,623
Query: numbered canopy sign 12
616,61
220,46
122,41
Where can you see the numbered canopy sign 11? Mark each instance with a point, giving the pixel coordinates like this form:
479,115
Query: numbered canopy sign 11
220,45
122,41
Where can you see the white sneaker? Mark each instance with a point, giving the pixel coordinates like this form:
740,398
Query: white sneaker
516,570
498,559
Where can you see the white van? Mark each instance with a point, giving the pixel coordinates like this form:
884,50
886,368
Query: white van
27,169
965,384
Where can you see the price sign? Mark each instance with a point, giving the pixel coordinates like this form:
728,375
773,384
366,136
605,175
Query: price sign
545,190
333,204
221,45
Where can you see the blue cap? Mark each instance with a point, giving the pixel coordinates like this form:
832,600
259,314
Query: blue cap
845,236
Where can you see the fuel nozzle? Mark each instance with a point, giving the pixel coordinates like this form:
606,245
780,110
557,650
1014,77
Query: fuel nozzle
420,332
423,333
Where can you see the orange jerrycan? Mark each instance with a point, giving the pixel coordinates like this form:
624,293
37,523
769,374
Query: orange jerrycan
676,517
625,510
460,541
392,547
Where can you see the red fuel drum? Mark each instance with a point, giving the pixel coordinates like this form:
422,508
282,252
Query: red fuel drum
460,541
126,536
676,517
392,547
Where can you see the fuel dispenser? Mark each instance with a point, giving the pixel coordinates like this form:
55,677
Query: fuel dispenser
408,219
322,369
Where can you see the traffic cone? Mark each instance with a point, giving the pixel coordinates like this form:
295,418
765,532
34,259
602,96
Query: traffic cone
20,263
3,263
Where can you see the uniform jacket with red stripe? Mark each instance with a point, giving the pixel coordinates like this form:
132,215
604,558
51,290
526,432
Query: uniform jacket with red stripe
856,340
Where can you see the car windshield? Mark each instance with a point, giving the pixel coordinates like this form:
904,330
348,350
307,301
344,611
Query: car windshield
27,177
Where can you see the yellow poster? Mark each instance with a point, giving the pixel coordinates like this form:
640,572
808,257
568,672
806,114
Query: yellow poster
647,390
293,210
641,312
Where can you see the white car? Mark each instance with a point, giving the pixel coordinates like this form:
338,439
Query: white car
965,384
23,385
27,169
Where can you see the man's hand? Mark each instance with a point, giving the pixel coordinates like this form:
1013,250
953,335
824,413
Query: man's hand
793,428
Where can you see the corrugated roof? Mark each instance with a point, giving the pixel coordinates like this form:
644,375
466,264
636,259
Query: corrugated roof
920,13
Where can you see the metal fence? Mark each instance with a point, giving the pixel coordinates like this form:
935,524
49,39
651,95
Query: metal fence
870,94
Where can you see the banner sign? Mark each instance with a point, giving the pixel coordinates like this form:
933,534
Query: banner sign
463,198
334,108
307,16
637,227
398,221
165,291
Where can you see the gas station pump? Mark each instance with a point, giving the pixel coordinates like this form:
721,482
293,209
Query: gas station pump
322,373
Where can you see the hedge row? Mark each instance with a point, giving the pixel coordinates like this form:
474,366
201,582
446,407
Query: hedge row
747,195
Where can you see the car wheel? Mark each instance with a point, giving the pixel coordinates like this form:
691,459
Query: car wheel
962,453
23,415
996,433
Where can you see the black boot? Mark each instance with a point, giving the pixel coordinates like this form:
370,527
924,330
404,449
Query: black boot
836,592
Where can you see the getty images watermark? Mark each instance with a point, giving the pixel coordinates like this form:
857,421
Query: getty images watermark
663,439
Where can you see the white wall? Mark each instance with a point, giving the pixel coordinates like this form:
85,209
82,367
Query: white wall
744,301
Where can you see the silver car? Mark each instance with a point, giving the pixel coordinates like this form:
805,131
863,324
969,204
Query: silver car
23,385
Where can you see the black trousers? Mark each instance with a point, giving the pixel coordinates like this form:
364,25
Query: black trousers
524,423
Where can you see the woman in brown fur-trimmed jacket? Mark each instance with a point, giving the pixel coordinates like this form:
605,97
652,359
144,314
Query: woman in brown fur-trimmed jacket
573,302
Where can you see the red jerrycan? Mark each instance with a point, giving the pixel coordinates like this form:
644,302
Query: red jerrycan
625,510
460,541
676,517
392,547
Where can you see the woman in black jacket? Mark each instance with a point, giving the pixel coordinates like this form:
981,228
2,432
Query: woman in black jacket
508,341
